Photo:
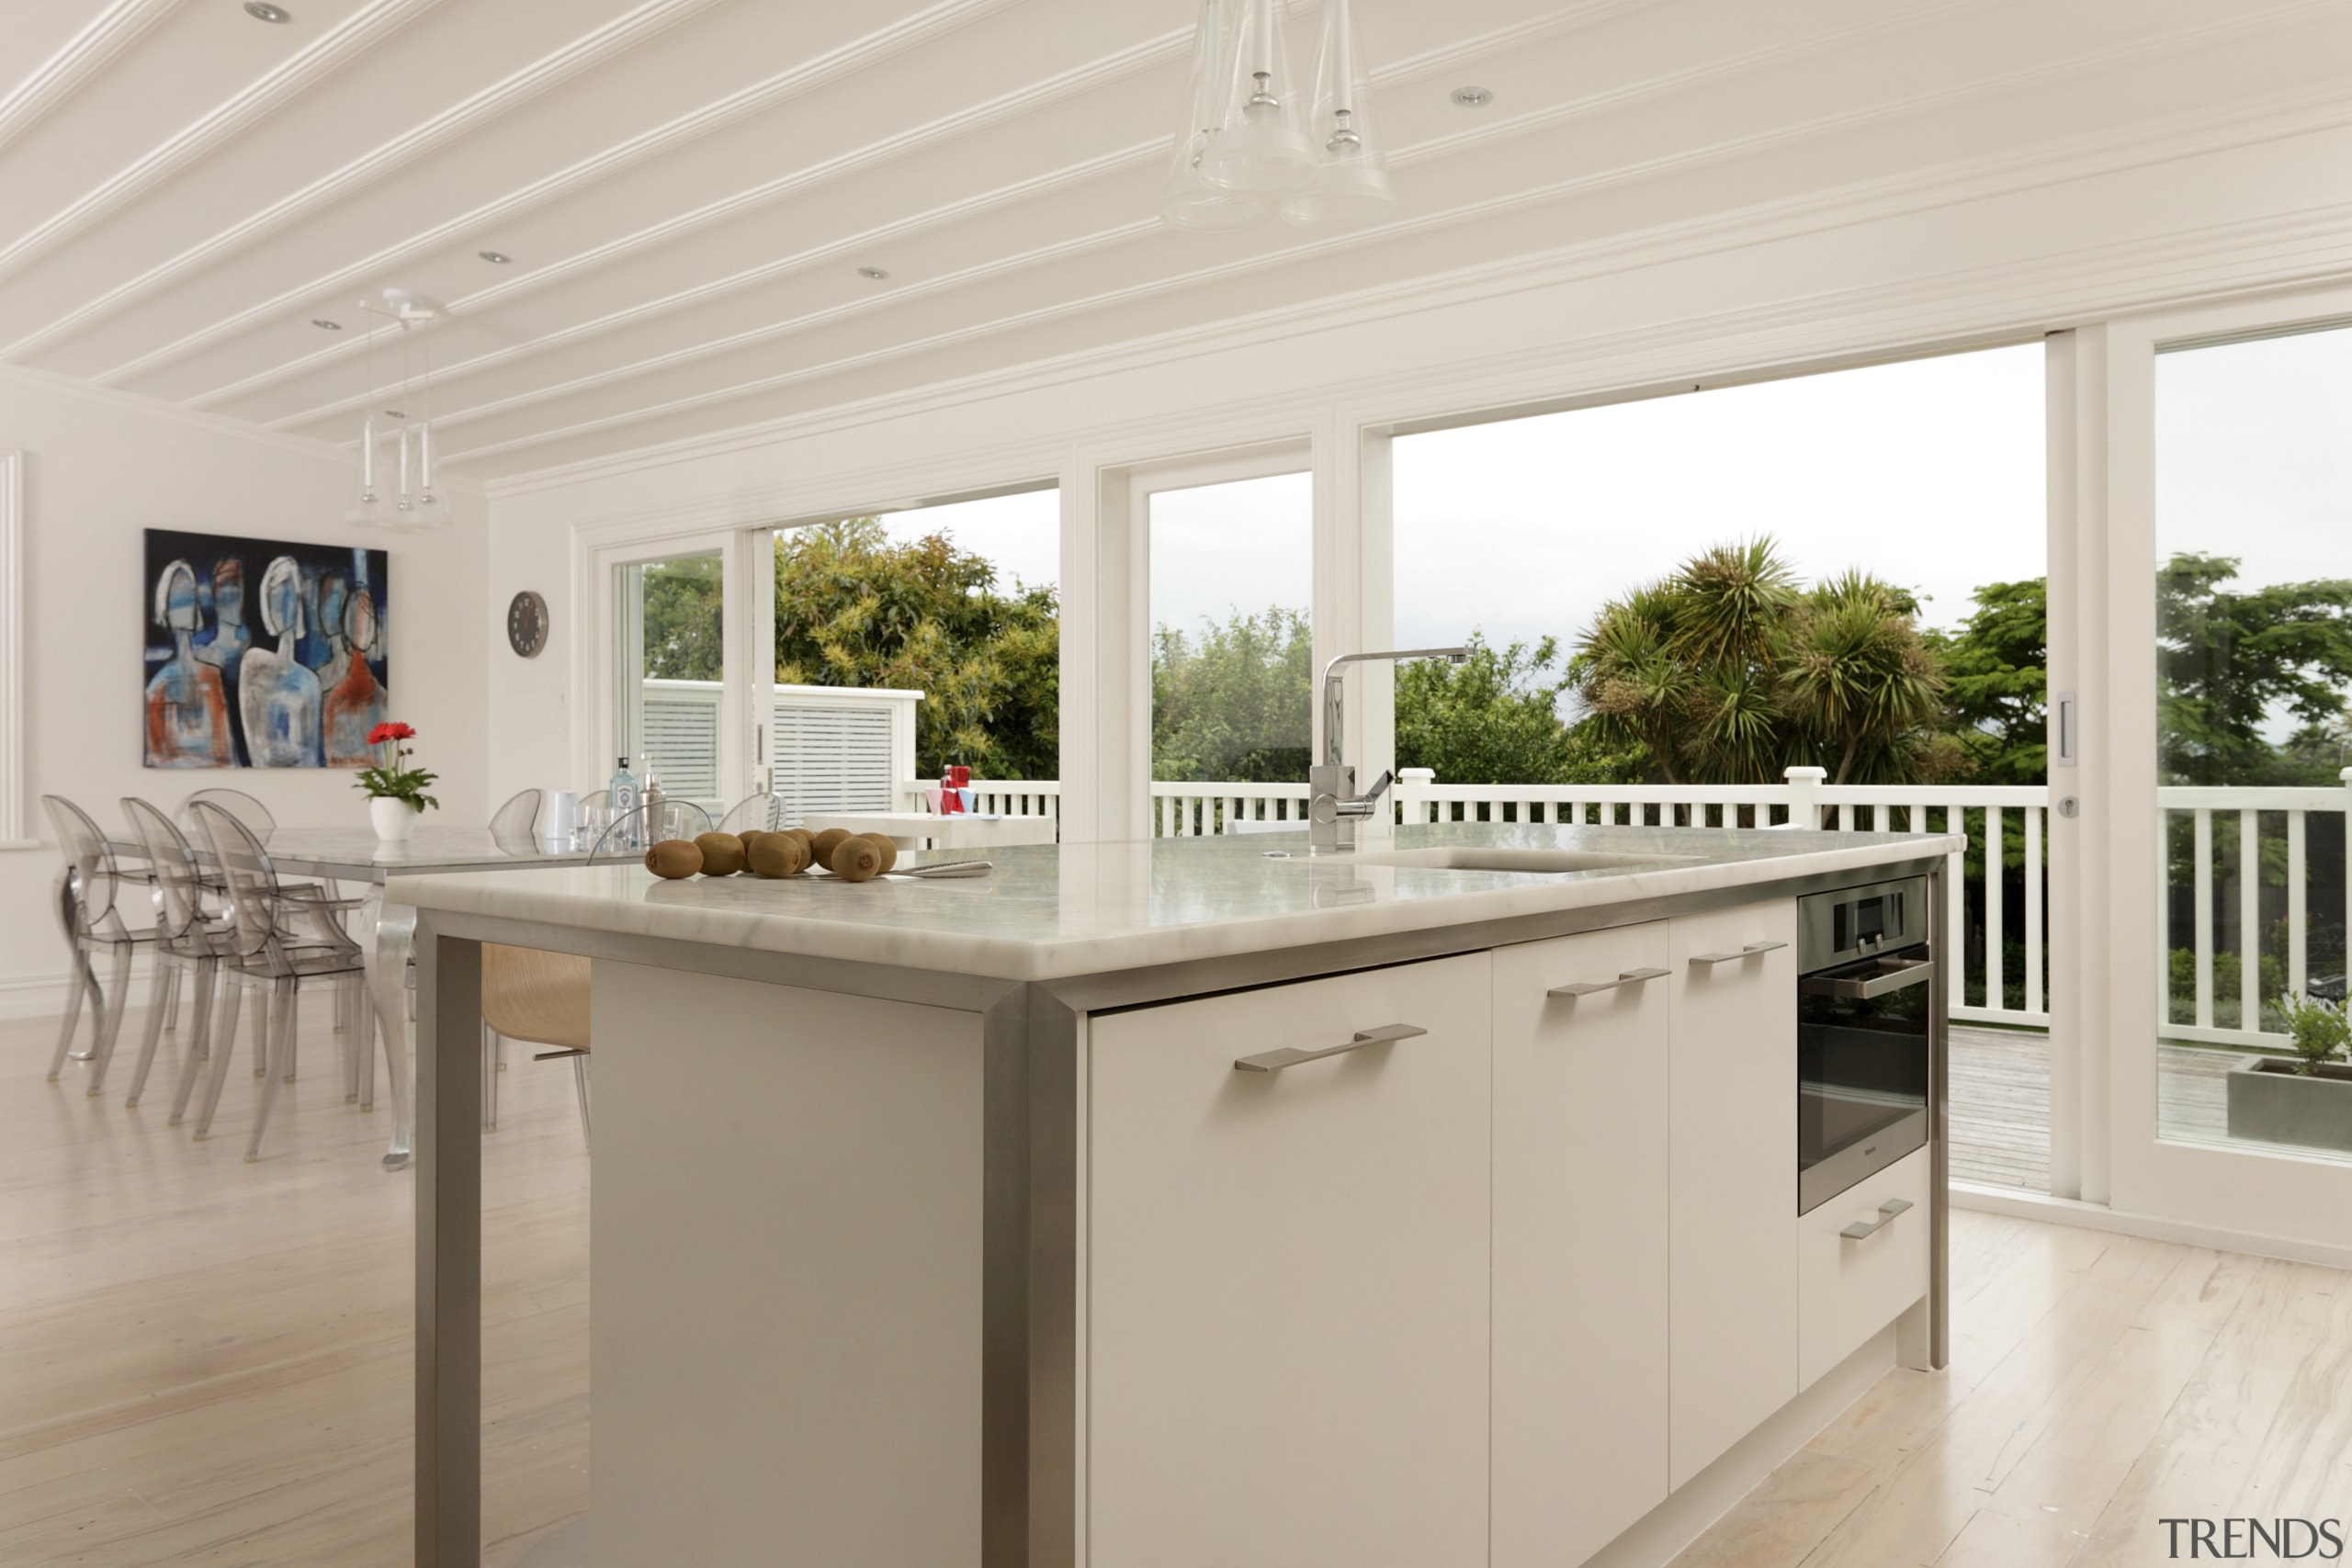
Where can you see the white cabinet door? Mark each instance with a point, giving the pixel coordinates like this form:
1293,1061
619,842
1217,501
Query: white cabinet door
1581,1243
1850,1287
1287,1277
1733,1346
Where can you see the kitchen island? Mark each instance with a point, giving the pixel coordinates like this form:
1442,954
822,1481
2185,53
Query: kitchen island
1186,1202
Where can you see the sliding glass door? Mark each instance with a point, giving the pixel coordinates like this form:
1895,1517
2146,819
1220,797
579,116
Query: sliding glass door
2253,740
686,660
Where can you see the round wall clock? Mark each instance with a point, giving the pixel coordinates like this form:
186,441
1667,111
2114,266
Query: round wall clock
527,624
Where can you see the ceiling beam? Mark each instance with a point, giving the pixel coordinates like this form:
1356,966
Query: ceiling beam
105,36
582,53
936,20
240,110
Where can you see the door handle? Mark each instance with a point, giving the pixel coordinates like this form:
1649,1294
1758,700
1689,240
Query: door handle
1891,976
1750,950
1587,987
1862,1230
1291,1055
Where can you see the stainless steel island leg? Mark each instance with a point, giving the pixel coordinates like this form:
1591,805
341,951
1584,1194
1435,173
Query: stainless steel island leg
448,1252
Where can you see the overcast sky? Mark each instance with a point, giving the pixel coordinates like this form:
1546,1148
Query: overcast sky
1928,473
2254,455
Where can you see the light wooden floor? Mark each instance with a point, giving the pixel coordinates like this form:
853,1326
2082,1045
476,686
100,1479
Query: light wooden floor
206,1361
2098,1383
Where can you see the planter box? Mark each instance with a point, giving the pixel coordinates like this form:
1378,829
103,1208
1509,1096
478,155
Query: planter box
2270,1102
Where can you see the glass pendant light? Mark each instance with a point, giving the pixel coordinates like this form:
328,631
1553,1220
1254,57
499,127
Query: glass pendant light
1351,184
370,508
1260,148
1190,202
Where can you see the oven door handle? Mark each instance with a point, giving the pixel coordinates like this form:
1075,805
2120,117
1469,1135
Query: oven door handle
1895,977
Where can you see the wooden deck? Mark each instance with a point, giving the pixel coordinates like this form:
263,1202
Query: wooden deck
2000,1103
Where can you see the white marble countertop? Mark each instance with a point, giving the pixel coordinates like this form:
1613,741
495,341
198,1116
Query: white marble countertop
1053,912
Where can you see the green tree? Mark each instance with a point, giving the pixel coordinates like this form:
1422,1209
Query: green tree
1232,700
1495,718
1729,672
682,598
2228,660
1996,682
854,609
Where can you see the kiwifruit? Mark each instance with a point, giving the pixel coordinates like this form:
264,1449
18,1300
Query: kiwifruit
776,854
857,860
673,858
748,835
722,854
825,844
888,845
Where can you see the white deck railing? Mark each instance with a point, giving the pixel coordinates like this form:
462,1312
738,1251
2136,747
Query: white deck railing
2259,820
1996,819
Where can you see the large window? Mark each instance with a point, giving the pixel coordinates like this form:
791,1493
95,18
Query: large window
2254,627
1842,570
1232,590
673,654
958,601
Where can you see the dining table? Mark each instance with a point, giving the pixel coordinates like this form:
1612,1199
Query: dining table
387,932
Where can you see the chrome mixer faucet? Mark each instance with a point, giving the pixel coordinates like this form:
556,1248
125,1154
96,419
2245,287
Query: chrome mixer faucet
1336,807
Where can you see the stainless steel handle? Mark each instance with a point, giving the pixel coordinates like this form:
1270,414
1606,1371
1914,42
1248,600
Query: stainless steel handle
1586,987
1291,1055
1862,1230
1750,950
1894,977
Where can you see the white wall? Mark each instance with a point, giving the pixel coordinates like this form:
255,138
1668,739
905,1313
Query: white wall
99,468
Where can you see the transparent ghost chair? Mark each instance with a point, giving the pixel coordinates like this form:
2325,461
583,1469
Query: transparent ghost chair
276,943
192,937
763,812
86,909
513,825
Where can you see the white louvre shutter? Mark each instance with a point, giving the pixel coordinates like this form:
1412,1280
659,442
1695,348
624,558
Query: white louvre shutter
832,757
680,740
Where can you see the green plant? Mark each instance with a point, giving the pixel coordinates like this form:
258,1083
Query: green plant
2320,1030
1729,672
392,780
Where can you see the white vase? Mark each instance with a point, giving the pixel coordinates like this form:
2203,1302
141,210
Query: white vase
395,819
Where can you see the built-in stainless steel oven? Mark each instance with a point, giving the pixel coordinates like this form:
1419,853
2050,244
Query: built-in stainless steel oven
1866,1026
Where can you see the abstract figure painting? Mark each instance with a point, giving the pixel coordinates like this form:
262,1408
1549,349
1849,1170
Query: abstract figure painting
300,687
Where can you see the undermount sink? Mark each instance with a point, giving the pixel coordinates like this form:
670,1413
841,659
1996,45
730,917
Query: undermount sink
1470,857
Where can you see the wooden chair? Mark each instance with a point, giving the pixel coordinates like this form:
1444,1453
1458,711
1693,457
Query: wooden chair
540,998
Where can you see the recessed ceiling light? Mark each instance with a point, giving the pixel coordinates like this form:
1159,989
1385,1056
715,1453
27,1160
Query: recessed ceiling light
873,274
262,11
322,322
1473,97
500,257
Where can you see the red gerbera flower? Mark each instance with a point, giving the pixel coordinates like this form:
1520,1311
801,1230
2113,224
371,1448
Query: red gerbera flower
384,732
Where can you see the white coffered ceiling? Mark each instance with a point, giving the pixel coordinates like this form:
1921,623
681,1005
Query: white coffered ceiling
687,188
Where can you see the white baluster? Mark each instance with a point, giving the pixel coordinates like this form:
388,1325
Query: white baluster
2032,825
2297,920
2202,856
2249,919
1994,995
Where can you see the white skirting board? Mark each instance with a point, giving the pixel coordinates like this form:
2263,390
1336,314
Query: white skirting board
2154,1227
43,996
